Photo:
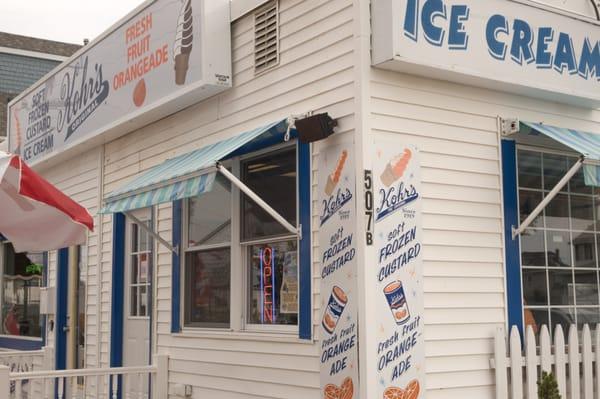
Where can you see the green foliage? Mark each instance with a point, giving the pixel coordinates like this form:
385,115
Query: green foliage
548,387
33,268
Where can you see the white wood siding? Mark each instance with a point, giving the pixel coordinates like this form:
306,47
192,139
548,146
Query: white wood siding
453,125
455,128
315,73
79,178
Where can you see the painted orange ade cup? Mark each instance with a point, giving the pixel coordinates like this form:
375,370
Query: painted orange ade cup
335,308
394,294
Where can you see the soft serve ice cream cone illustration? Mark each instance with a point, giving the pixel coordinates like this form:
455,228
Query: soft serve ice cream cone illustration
334,178
17,136
183,42
395,168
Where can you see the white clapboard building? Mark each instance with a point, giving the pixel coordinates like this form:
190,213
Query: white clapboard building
242,252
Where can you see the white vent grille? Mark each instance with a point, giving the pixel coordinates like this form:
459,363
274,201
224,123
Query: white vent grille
266,37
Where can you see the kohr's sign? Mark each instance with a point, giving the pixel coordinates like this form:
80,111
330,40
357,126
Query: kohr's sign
500,44
164,56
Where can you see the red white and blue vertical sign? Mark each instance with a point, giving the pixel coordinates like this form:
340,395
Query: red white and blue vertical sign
339,293
397,271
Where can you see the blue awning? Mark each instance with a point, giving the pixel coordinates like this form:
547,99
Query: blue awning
585,143
189,174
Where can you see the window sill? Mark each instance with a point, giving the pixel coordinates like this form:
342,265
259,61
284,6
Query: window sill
244,336
21,337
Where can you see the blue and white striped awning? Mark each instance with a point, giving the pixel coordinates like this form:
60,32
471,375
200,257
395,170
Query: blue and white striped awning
189,174
585,143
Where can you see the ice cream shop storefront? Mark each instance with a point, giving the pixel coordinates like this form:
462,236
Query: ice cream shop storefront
319,199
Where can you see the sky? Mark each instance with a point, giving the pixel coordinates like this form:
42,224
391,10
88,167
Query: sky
68,21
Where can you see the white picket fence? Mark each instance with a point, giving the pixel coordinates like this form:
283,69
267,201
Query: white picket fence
109,383
576,366
24,360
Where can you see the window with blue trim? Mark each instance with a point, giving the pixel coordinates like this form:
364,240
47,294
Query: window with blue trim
21,282
559,250
229,238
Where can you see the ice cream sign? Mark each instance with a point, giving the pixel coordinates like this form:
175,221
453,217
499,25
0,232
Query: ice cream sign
396,272
164,56
494,43
338,330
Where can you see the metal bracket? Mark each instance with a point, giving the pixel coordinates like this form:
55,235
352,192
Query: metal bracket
549,197
291,123
259,201
509,126
153,233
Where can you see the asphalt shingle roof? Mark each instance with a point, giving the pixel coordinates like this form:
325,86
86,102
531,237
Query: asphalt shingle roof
39,45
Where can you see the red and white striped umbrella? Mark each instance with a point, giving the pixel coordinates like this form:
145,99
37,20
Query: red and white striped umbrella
35,215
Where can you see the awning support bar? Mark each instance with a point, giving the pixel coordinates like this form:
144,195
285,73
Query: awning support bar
153,233
239,184
538,209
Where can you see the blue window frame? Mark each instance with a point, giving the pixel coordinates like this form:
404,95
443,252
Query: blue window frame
552,268
512,249
304,317
22,326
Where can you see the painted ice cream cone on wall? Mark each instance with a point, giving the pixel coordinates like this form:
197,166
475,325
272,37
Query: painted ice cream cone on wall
395,168
17,149
183,42
334,178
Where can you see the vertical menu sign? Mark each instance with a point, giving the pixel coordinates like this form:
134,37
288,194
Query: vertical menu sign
337,243
397,272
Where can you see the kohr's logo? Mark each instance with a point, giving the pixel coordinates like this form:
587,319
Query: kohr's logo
395,198
80,96
334,203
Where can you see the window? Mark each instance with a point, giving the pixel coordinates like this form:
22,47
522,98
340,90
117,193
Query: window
230,238
139,281
21,281
208,257
559,251
272,256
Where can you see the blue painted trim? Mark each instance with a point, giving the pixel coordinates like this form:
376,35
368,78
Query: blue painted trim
305,276
62,288
514,297
20,344
44,318
118,296
268,139
176,272
117,303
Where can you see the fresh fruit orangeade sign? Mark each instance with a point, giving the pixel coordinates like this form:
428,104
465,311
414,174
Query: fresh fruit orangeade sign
165,56
397,271
337,250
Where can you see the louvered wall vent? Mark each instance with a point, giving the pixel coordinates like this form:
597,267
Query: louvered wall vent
266,37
